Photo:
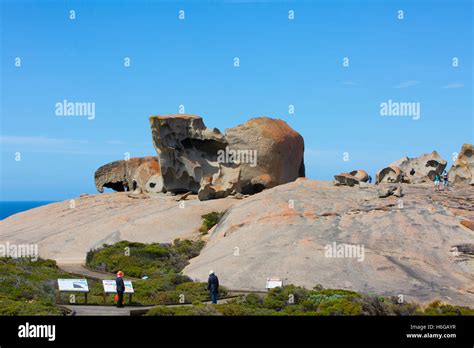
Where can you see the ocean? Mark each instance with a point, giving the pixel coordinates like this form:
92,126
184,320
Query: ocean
8,208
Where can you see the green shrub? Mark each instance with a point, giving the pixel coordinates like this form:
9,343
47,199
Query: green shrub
28,287
439,308
253,300
152,260
210,220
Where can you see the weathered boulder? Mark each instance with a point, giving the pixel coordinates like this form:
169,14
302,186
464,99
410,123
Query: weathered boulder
462,172
272,153
420,169
187,151
387,191
258,154
350,179
391,174
138,174
345,179
360,175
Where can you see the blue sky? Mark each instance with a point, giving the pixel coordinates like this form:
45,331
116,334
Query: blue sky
190,62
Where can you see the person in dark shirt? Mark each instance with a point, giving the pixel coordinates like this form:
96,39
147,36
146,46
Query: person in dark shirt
213,286
445,181
120,288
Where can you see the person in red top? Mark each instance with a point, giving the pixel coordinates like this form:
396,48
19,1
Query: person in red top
120,288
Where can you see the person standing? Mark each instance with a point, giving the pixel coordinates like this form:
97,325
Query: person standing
445,181
437,182
213,286
120,288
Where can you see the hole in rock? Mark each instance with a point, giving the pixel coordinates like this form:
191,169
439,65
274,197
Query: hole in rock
250,189
210,147
119,186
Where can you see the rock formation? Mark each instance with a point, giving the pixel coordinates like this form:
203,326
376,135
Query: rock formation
187,151
386,191
258,154
350,179
421,169
345,179
390,174
462,172
360,175
137,174
413,170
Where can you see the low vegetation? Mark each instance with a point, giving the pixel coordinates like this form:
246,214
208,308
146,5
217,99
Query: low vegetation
29,288
209,221
138,260
160,264
292,300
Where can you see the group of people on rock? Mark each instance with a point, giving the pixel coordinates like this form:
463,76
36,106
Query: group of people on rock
442,179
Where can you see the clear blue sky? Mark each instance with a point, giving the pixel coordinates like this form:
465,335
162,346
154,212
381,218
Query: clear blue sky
190,62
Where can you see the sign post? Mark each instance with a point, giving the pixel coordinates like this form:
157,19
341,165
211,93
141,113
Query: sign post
74,285
274,283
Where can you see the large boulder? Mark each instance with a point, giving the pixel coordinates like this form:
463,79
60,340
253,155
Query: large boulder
277,153
187,151
258,154
390,174
420,169
345,179
360,175
350,179
135,174
462,172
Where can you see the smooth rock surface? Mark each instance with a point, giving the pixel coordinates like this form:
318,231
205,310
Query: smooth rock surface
66,234
407,243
